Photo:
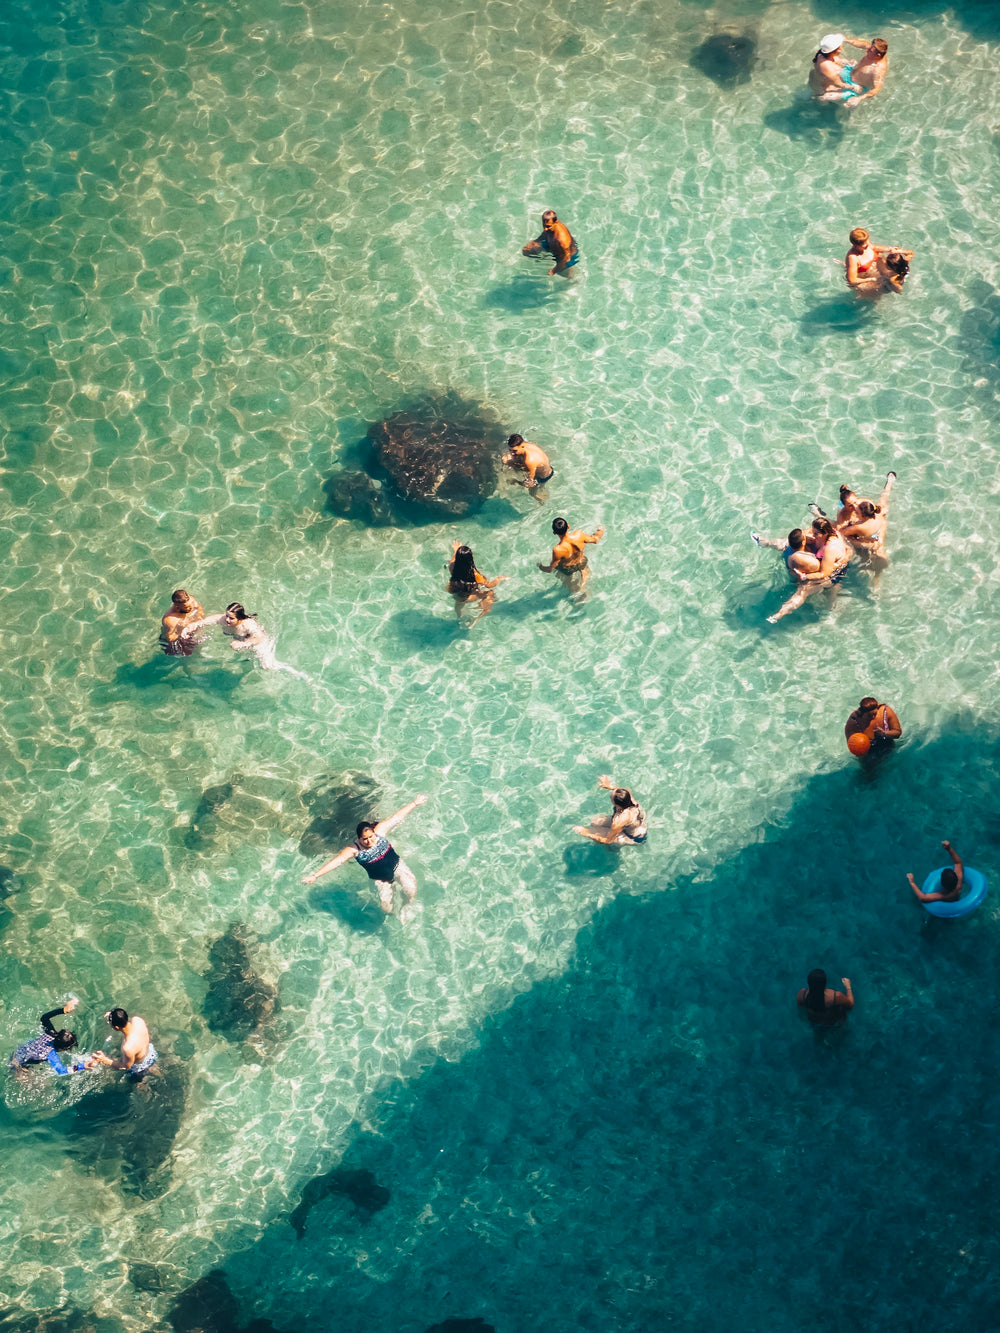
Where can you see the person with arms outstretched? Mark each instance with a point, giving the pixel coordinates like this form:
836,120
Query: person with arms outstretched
568,557
378,858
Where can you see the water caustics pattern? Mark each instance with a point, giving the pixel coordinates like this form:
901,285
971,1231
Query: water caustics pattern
571,1089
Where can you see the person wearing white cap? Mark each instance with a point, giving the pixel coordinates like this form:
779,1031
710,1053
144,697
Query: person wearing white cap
830,76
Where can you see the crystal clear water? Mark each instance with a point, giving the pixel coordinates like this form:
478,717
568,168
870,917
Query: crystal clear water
231,237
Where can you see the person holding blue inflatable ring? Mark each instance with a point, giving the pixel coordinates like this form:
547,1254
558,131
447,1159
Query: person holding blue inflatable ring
951,892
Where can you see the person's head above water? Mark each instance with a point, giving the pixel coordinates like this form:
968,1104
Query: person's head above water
622,798
463,569
182,598
868,509
847,496
549,219
515,441
832,42
898,263
235,612
823,527
64,1040
560,527
366,833
878,48
949,881
859,236
816,999
118,1018
797,539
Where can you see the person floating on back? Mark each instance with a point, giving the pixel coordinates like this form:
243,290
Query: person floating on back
822,1005
952,881
378,858
556,241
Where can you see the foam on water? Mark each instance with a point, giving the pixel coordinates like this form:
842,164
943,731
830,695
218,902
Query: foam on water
231,238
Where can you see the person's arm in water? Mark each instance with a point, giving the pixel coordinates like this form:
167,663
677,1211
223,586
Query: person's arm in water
889,726
384,826
46,1019
844,1000
342,856
534,247
205,620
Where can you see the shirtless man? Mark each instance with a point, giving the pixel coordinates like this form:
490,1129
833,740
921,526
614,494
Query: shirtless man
568,557
523,456
183,611
556,240
830,73
138,1054
803,565
870,71
952,881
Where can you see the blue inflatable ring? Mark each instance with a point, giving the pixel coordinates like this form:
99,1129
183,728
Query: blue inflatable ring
975,884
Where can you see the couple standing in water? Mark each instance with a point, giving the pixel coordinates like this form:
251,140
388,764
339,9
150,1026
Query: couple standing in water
180,626
832,79
819,558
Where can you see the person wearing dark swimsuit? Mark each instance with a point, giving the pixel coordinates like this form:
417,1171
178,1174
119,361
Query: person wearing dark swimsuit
378,858
523,456
625,826
823,1006
48,1045
467,584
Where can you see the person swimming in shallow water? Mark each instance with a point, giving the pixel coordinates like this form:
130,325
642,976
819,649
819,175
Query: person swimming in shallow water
376,855
184,610
49,1045
243,629
625,826
556,241
830,75
861,263
865,523
523,456
823,1006
803,564
568,557
467,584
138,1054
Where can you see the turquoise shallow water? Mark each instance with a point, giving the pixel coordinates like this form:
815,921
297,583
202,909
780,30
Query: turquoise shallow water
232,236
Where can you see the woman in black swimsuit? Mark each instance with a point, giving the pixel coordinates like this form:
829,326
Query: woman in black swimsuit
824,1006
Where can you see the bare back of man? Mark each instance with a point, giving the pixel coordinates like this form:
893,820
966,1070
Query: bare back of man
568,555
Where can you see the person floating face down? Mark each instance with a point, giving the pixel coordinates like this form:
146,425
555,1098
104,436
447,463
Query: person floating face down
556,241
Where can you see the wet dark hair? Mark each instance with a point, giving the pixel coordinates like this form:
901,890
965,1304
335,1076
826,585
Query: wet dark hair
868,704
949,880
797,539
463,569
363,825
118,1018
64,1040
622,797
513,440
180,596
816,999
823,526
560,527
868,509
844,491
238,610
898,263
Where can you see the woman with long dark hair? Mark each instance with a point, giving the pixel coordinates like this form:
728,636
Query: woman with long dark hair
243,629
822,1005
467,584
625,826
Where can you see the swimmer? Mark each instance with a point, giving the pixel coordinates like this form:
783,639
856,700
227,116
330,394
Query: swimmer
830,76
861,261
803,564
183,611
45,1048
568,558
824,1006
138,1054
625,826
867,528
523,456
246,634
870,71
876,721
892,271
556,241
952,881
467,584
378,858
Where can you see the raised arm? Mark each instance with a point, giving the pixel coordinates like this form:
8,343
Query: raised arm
46,1019
386,825
956,860
332,864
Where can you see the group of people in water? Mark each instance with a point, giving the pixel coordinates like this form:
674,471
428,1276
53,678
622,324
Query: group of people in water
833,79
51,1046
818,558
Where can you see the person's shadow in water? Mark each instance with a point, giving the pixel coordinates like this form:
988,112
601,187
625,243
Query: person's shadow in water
524,292
364,918
844,314
809,121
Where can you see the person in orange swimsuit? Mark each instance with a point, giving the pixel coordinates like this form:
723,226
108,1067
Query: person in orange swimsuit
861,262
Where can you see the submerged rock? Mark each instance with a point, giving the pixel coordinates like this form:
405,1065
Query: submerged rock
354,1184
448,466
356,495
338,804
726,58
209,1306
238,1001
